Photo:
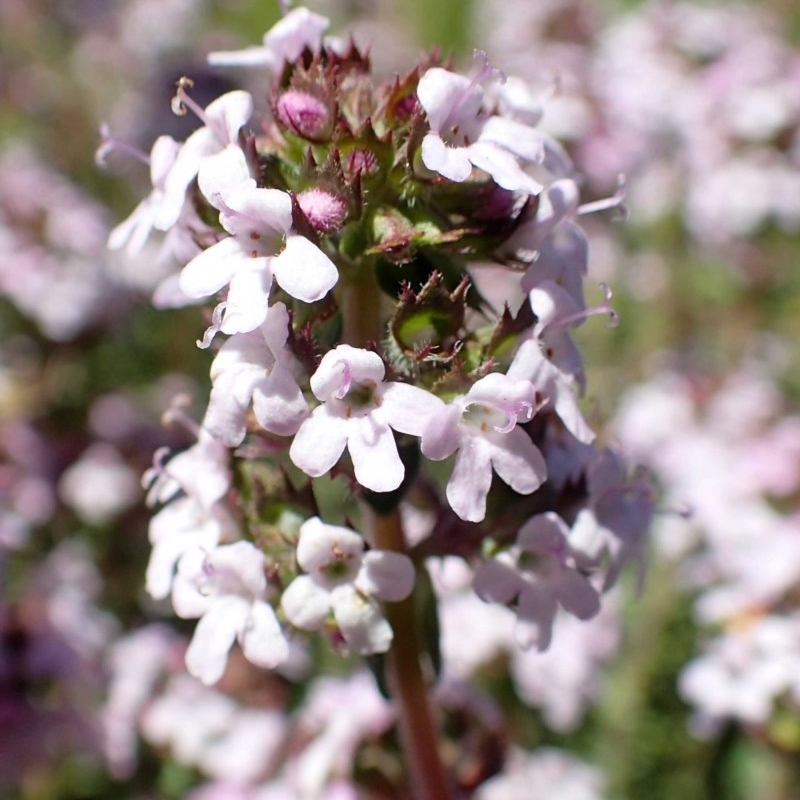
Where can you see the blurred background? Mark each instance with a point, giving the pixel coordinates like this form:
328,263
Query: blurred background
691,688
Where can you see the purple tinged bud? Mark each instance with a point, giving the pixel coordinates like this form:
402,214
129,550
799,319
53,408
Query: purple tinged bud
361,161
305,114
325,211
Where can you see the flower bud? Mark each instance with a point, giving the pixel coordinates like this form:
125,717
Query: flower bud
360,161
304,114
325,210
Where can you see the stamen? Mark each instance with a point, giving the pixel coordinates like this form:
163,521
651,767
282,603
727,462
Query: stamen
600,308
176,415
513,412
151,474
487,70
183,102
108,144
613,202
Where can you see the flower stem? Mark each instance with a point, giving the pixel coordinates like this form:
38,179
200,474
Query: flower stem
360,302
418,731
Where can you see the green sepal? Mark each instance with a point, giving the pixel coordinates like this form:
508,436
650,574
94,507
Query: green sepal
508,328
430,316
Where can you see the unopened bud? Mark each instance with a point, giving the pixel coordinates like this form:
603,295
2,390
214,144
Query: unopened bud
325,211
360,161
304,114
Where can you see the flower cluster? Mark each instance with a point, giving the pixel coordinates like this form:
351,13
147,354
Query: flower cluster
736,467
397,269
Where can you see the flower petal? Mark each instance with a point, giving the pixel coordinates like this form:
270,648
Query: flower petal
304,271
451,162
305,603
247,303
361,622
262,640
517,460
408,408
376,462
278,403
386,575
212,269
319,442
496,581
207,655
472,476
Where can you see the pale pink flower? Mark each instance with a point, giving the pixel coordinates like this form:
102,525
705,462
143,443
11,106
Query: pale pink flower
223,119
133,232
256,367
209,730
342,578
463,136
358,410
538,574
227,589
284,41
482,426
548,774
261,247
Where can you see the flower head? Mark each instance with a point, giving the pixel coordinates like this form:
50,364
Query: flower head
344,579
260,247
227,589
358,410
538,574
482,426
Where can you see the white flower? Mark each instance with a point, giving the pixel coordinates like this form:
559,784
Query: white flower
259,248
99,485
201,471
227,589
358,411
182,525
481,425
530,363
285,41
461,136
223,119
255,367
343,579
135,230
539,573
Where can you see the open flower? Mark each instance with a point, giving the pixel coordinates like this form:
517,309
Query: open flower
261,247
358,410
481,426
462,136
227,589
133,232
344,579
223,119
538,574
255,367
284,41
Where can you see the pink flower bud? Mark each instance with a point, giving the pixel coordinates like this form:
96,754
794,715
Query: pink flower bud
304,114
324,210
361,161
